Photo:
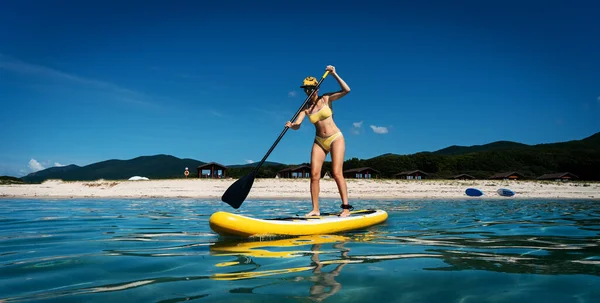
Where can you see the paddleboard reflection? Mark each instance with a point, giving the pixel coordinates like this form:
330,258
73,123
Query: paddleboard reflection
247,256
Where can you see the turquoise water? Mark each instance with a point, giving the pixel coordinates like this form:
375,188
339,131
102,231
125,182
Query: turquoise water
162,250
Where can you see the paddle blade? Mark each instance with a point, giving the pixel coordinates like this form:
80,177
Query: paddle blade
238,191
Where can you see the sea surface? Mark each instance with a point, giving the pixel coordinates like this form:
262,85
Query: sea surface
163,250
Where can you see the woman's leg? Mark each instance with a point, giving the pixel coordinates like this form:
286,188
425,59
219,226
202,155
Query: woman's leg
317,157
338,148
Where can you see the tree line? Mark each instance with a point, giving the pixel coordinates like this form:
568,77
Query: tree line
531,163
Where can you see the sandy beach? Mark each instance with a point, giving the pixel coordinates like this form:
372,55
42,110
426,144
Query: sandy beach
299,189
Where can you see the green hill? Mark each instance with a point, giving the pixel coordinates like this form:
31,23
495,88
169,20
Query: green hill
495,146
10,180
267,170
153,167
589,142
580,157
49,173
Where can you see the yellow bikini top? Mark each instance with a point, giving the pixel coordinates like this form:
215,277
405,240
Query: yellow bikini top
323,113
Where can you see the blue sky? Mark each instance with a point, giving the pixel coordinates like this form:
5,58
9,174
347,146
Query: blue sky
87,81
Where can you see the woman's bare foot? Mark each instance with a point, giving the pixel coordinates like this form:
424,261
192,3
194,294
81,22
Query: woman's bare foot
313,213
345,213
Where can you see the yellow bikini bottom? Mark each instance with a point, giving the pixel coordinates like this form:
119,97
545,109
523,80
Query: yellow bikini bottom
325,143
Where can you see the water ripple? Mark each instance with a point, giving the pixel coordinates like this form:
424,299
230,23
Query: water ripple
428,250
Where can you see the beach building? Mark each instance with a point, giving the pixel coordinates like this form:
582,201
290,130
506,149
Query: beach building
507,176
212,170
361,173
566,176
411,175
302,171
463,177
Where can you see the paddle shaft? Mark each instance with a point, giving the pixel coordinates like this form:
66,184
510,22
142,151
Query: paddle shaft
286,128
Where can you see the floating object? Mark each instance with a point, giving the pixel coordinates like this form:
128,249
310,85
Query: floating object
505,192
138,178
473,192
228,224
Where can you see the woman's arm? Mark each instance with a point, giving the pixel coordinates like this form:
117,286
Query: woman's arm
296,124
345,89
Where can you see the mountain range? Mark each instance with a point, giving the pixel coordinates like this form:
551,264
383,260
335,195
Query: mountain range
577,156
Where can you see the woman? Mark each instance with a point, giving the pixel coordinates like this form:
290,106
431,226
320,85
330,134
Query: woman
328,138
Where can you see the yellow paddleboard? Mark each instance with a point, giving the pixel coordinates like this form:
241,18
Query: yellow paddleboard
228,224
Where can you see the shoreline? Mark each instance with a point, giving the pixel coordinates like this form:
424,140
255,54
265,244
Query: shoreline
290,189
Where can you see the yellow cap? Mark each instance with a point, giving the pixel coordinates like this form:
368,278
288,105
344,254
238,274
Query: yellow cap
309,81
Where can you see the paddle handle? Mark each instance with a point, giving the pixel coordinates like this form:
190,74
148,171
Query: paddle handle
286,128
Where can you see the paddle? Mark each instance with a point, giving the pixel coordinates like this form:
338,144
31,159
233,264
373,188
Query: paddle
238,191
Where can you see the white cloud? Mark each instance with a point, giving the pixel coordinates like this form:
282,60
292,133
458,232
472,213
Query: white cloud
249,161
58,164
124,94
292,94
598,99
34,165
356,127
379,129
